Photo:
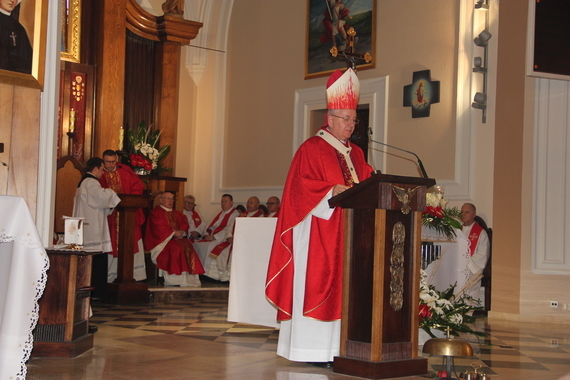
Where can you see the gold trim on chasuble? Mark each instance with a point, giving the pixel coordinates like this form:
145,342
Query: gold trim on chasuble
345,153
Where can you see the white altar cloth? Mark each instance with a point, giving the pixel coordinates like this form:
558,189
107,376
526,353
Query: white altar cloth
452,267
250,257
23,266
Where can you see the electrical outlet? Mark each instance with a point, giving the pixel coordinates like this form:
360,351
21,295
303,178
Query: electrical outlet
553,304
553,342
567,306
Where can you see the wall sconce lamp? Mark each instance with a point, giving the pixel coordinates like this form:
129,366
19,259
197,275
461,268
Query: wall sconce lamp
482,38
479,101
481,4
480,63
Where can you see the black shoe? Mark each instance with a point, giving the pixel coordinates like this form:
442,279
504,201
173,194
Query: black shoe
93,329
322,364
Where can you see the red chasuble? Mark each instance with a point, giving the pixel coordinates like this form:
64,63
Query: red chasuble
178,255
123,181
315,169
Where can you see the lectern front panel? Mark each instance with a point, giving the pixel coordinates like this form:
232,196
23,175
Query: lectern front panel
362,277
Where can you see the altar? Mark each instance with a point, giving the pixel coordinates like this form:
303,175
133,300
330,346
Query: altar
253,238
451,266
23,266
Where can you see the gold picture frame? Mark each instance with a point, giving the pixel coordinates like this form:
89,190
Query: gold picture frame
70,30
33,18
327,25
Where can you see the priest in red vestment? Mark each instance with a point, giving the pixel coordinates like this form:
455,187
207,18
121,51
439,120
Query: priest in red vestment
217,232
123,180
170,249
304,279
197,225
478,248
273,206
219,267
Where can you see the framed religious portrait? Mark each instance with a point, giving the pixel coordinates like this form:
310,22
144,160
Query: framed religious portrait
23,26
339,30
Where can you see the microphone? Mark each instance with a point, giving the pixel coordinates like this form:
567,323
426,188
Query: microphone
355,138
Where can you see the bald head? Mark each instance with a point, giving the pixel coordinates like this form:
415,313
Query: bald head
252,204
468,214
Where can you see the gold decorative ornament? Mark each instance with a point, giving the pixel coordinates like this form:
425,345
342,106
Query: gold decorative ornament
334,51
397,266
405,196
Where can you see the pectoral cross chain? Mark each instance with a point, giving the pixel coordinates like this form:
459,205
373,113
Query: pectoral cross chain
13,37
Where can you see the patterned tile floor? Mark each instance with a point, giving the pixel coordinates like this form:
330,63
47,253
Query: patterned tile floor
191,339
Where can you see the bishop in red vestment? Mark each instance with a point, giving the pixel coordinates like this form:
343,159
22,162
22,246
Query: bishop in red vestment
304,279
171,250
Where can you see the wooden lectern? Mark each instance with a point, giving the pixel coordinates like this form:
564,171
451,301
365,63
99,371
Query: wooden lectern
125,290
379,333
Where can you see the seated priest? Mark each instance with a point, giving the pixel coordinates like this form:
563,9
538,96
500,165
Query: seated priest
220,263
273,206
197,226
216,233
478,249
170,250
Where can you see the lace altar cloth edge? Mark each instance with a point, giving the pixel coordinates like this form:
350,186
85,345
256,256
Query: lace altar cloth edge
23,275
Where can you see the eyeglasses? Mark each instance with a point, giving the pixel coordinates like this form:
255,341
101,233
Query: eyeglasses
189,203
271,203
347,119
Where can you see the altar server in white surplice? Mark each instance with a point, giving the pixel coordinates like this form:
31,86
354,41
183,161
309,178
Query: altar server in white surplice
94,203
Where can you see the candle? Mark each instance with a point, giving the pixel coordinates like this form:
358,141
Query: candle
121,138
72,120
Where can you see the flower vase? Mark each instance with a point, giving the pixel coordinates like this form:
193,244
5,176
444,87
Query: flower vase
424,336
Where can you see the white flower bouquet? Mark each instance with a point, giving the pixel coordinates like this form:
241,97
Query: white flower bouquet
145,156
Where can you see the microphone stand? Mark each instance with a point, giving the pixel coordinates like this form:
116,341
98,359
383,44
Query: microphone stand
420,163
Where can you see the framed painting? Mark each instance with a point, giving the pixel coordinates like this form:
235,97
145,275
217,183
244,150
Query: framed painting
338,30
23,26
70,30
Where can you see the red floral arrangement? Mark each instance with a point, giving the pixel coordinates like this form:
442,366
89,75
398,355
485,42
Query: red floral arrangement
138,160
440,218
434,211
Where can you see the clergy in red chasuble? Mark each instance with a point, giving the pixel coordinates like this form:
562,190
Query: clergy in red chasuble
170,249
123,180
304,279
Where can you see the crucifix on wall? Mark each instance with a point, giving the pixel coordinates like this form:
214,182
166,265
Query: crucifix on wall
421,94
